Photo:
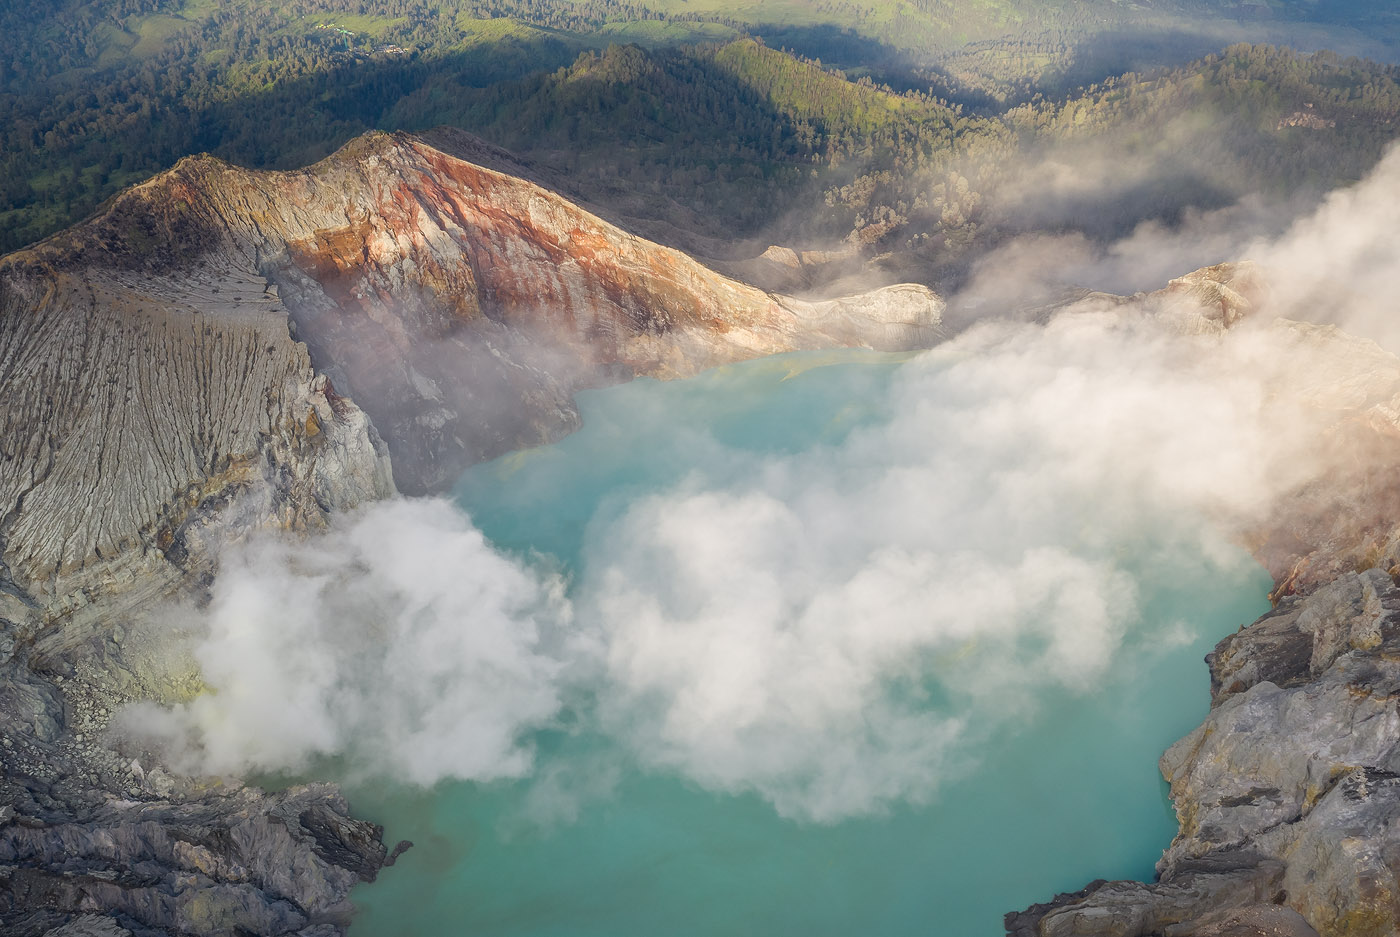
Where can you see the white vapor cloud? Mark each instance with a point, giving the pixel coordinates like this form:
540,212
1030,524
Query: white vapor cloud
1340,264
401,638
841,630
1024,276
836,629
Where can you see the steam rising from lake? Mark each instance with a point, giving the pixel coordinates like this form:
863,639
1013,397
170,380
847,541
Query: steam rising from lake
836,629
401,639
841,627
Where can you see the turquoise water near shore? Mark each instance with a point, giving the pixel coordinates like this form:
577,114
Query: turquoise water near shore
593,846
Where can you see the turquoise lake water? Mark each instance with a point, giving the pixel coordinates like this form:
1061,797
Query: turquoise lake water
1051,801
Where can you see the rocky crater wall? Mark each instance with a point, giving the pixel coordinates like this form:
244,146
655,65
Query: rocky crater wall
224,351
1288,794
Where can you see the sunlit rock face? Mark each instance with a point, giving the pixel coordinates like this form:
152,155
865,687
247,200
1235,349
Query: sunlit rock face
142,410
460,306
150,374
1223,293
1288,794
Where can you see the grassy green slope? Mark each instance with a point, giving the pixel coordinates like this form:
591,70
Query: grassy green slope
754,141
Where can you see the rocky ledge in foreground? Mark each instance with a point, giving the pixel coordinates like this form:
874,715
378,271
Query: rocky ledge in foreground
92,845
1288,793
242,862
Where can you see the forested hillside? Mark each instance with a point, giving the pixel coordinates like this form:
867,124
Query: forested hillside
653,99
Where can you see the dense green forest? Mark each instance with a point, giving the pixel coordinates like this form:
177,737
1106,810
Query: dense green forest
665,100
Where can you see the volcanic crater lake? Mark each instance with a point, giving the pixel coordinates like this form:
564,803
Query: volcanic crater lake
1049,801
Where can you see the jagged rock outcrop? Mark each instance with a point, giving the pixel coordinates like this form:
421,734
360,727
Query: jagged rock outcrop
1288,794
94,843
1221,294
145,417
461,307
221,862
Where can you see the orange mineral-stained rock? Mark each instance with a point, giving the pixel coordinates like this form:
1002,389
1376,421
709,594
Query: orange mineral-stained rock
461,306
195,323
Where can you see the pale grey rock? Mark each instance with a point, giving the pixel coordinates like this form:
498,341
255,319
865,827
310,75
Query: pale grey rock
142,421
203,861
153,406
892,318
1116,909
1253,921
1288,794
86,830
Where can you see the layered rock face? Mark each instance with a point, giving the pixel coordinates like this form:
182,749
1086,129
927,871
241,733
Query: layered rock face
237,862
461,307
1288,795
137,408
224,351
148,413
145,419
234,345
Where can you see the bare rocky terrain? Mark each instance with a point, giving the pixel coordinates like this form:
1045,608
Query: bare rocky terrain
1288,794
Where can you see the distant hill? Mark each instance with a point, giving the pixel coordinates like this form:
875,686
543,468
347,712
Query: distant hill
662,107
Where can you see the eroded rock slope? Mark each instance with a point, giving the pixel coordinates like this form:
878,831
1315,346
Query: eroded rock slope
221,332
461,307
1288,794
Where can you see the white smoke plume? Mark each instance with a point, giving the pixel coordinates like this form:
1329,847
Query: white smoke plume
835,630
1341,263
401,638
787,634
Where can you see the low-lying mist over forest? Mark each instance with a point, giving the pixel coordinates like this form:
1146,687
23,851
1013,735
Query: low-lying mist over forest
878,130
